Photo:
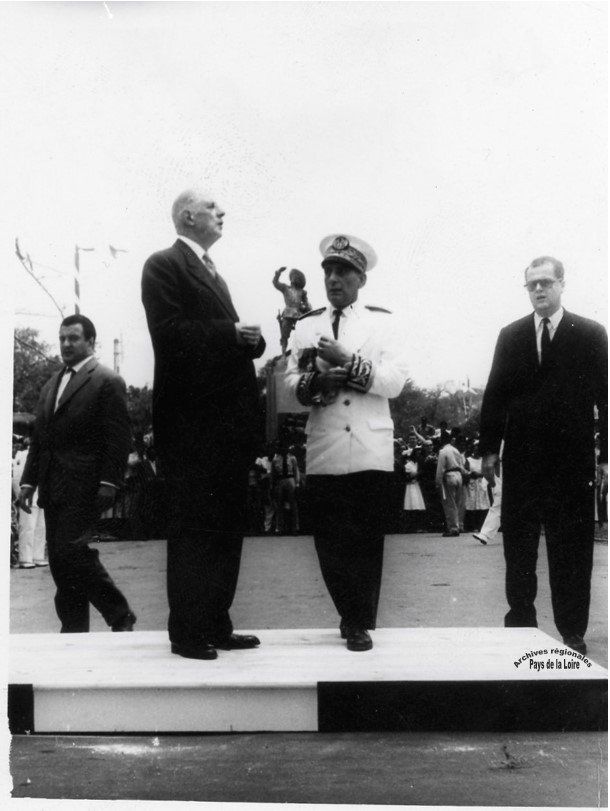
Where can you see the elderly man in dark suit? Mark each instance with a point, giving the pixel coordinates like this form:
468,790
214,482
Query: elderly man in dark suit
77,460
549,371
207,423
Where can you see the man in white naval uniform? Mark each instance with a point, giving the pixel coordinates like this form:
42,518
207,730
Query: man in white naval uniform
345,362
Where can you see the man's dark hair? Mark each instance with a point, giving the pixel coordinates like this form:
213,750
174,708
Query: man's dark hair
86,323
445,438
557,266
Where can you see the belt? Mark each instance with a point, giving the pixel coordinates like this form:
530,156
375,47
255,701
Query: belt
454,470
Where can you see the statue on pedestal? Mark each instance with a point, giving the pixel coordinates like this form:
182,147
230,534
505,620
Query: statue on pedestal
295,301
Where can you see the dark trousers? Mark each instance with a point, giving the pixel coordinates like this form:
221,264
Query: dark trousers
284,491
79,576
348,513
204,553
602,506
568,522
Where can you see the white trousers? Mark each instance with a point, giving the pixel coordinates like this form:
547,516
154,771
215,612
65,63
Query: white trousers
31,536
491,525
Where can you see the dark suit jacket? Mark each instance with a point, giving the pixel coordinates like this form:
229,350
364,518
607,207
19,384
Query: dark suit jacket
84,442
546,415
205,397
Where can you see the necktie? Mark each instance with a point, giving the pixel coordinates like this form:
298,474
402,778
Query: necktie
209,264
64,380
337,314
545,342
220,282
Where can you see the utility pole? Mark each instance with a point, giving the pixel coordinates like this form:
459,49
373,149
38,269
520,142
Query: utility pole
77,250
117,355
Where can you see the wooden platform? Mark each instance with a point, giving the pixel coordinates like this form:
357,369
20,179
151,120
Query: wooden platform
304,680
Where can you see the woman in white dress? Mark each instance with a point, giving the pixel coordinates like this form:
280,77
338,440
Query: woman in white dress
414,506
476,498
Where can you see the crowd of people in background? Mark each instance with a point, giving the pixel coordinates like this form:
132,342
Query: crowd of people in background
277,492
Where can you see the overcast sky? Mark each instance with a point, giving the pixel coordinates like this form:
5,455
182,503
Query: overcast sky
460,139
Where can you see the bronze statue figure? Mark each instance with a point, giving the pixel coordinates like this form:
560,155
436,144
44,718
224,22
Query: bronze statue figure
295,301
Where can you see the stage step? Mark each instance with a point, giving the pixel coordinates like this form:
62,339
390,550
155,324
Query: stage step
476,679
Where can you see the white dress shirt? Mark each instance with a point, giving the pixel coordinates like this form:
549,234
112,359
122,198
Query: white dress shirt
66,377
553,324
199,251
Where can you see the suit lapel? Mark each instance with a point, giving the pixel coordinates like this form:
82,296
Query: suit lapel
222,291
562,334
81,378
49,405
196,268
531,348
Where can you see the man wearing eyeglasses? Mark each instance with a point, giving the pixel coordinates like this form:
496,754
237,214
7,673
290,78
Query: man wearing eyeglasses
549,371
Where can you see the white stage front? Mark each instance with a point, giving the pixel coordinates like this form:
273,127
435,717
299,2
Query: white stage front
304,679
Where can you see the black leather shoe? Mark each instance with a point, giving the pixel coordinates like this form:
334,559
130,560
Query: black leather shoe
202,650
453,534
237,642
575,642
126,623
357,638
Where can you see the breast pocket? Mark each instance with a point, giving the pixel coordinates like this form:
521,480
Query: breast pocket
380,424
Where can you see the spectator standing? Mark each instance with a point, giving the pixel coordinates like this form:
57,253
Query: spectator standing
414,506
285,478
434,520
32,534
476,497
449,472
493,520
14,549
263,464
601,490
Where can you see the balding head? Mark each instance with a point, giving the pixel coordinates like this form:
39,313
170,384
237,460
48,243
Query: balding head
197,216
184,200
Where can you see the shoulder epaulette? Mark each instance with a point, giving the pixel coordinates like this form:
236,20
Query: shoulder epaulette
311,312
377,309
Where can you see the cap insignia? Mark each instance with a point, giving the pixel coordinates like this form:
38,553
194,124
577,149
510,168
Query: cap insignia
340,243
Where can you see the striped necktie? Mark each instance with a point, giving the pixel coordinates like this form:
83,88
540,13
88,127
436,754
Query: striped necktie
209,264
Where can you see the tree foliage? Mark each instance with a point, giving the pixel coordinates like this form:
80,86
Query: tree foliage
33,365
139,407
459,408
